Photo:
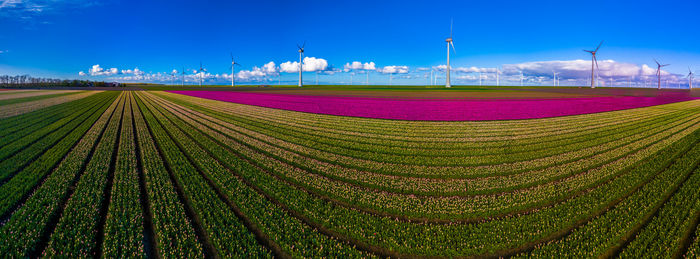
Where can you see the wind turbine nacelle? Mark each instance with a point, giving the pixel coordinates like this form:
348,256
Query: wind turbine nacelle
448,40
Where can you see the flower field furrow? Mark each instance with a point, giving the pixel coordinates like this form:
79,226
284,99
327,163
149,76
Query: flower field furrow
611,228
35,121
10,149
377,153
364,163
21,99
607,190
263,210
124,225
161,174
417,141
459,184
24,94
663,236
175,236
437,110
45,204
225,230
353,196
76,232
359,126
21,108
20,185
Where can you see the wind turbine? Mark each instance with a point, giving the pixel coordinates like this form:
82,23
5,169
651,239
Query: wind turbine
183,76
233,75
449,42
594,61
521,78
658,72
173,76
555,78
690,78
498,72
201,69
301,53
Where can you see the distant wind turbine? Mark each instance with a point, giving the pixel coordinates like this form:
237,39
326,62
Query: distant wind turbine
555,78
658,73
690,78
301,54
233,69
201,74
449,43
521,78
594,61
498,72
183,76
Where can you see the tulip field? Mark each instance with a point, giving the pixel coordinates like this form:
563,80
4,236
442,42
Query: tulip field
250,174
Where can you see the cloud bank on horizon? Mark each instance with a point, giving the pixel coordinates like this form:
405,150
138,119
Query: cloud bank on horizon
536,72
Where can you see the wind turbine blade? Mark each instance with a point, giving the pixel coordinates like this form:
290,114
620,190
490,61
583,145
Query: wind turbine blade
231,56
304,45
453,47
657,62
601,43
596,63
451,22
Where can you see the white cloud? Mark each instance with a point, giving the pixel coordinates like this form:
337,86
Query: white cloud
81,73
270,68
174,71
393,70
134,71
581,69
96,70
357,65
310,64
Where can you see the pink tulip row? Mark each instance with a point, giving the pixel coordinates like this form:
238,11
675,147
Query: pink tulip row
439,109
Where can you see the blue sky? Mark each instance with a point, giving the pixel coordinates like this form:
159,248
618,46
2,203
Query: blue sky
404,39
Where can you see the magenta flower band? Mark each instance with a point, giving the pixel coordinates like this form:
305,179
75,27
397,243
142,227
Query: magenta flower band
439,109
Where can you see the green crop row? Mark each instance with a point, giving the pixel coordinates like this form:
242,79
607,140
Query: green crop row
45,133
25,180
381,127
224,230
32,219
663,236
611,229
34,98
38,121
174,235
387,168
290,234
76,232
124,225
411,205
457,239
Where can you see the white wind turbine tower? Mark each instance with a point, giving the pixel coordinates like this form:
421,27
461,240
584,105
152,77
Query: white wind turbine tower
201,74
301,68
690,78
183,76
658,73
233,74
594,61
173,76
367,72
555,78
498,72
521,78
449,42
